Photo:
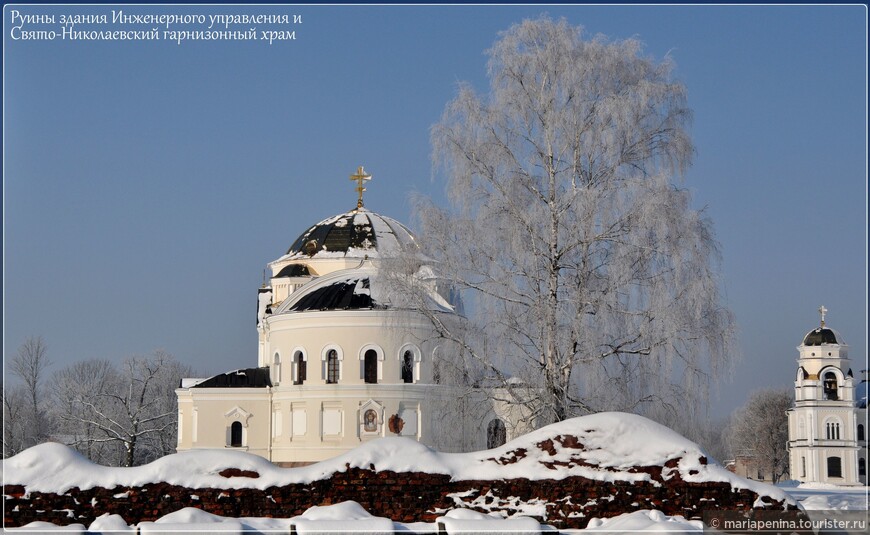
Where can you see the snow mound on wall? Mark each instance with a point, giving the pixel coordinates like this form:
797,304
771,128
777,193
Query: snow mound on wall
602,447
651,520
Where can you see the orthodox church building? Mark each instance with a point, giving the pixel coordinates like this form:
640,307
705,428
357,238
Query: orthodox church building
339,361
827,426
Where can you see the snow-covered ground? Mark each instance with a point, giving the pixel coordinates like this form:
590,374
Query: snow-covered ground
350,517
820,497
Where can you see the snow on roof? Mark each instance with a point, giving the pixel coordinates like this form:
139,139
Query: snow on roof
823,336
602,447
188,382
354,234
354,289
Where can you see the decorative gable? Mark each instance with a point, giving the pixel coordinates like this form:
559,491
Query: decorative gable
238,414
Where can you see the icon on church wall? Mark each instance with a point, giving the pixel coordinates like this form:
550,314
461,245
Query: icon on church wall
370,421
396,424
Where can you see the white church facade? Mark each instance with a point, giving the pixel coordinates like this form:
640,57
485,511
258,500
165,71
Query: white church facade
338,362
827,425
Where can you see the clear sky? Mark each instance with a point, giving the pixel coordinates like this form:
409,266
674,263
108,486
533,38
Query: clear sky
148,183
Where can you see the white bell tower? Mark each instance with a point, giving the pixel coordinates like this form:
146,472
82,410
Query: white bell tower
823,425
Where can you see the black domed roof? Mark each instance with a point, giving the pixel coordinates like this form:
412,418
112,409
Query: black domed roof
351,293
355,233
822,336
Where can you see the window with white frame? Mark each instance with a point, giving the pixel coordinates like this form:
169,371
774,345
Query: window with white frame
832,430
299,367
276,366
332,367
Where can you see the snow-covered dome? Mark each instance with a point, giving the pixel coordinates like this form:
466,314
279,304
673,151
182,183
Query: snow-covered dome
823,336
360,288
357,233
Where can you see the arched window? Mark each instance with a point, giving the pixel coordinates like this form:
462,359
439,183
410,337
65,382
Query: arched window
236,435
803,467
862,467
277,368
830,386
408,366
496,434
332,367
832,430
370,366
835,467
300,368
860,431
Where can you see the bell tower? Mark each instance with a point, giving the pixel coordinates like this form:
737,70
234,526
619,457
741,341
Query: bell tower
823,424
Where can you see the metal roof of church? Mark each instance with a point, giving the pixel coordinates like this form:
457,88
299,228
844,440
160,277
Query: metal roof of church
823,336
247,378
357,233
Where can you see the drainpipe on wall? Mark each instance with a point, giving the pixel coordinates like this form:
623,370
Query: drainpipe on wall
271,435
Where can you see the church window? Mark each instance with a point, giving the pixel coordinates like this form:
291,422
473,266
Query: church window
830,386
832,430
803,467
277,367
862,467
332,367
860,431
835,467
408,367
300,368
370,365
496,434
236,435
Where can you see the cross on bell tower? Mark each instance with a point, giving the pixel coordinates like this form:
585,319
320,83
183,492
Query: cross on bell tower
823,311
360,177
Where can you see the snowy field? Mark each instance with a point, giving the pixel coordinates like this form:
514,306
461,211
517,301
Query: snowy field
829,497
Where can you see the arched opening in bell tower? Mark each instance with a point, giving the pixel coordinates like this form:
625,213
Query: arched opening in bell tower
830,387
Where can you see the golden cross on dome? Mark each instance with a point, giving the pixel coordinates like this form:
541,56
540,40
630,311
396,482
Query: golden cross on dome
360,177
823,311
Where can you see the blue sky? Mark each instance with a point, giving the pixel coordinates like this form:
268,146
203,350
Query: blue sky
147,184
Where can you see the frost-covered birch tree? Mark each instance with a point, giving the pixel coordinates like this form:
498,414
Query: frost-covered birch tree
122,415
759,431
586,272
80,395
15,420
29,364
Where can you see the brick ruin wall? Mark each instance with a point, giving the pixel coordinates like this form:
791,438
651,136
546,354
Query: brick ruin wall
402,497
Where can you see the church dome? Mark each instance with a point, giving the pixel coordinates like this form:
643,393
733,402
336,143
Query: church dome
361,288
823,336
357,233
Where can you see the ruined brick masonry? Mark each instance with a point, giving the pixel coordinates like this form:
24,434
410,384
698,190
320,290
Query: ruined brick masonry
402,497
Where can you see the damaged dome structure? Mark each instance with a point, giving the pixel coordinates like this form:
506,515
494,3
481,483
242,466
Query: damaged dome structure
356,232
342,356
